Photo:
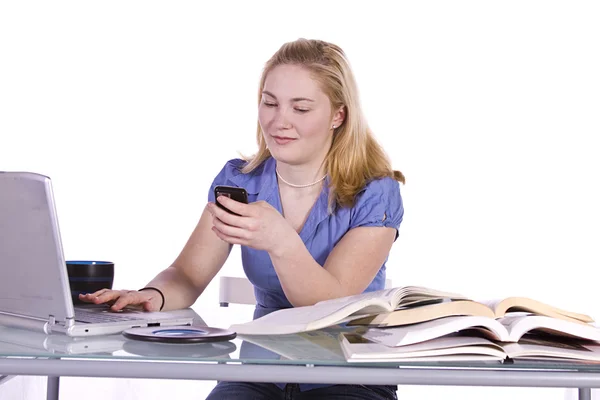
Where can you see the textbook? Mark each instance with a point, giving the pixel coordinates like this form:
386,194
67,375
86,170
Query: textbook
335,311
507,329
457,347
394,307
491,309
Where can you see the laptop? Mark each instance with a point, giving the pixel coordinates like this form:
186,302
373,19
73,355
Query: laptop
34,285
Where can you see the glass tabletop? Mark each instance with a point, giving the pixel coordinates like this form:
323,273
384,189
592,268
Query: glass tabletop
319,348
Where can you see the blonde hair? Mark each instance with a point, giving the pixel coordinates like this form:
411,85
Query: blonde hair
355,157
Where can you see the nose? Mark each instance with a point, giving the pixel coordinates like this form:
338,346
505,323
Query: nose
281,118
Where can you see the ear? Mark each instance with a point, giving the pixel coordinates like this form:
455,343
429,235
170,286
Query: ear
338,117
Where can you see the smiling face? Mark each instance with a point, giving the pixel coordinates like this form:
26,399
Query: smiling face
295,116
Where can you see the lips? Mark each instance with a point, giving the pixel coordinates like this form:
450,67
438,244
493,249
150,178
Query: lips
281,140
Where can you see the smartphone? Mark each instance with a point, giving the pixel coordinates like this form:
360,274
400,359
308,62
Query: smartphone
234,193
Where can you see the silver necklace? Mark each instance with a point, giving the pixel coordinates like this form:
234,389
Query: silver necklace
299,186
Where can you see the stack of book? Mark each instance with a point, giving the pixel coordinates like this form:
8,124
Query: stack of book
414,323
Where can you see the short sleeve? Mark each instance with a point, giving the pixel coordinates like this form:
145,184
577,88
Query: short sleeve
229,175
378,204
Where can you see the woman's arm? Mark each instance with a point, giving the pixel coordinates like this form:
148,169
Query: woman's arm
349,268
199,261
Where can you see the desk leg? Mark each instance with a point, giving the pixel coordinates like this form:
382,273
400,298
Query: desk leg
585,394
5,378
52,389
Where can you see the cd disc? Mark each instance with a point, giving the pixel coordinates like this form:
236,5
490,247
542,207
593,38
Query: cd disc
189,350
179,334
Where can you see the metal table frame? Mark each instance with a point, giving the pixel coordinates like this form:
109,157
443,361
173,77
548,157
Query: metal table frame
514,377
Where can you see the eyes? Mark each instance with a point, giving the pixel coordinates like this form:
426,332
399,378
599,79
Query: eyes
271,104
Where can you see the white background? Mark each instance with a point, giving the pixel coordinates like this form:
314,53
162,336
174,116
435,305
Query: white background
491,109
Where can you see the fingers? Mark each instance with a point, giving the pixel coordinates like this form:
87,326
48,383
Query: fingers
136,298
95,294
230,239
148,306
235,206
226,217
122,299
229,230
100,297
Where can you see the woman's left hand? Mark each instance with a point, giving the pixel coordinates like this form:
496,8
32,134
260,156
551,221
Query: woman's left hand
258,225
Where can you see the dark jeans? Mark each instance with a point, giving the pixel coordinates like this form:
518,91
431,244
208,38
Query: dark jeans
269,391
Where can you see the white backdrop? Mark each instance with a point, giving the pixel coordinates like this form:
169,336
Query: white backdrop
491,109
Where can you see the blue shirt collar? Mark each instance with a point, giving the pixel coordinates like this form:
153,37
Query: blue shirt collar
264,183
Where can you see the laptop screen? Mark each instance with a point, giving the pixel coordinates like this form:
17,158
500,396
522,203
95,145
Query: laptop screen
33,277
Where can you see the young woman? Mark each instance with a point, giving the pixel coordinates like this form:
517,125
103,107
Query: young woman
324,208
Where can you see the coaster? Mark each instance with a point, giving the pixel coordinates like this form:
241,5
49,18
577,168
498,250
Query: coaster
179,334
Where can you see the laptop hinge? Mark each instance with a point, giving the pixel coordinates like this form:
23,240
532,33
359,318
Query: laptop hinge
66,323
25,322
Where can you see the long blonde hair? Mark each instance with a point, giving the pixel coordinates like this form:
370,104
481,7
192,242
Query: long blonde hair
355,157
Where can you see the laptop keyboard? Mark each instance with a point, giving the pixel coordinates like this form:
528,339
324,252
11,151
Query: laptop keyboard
90,317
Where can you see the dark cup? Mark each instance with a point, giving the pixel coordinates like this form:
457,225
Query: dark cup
89,276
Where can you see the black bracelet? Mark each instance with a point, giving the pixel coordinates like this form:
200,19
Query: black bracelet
158,290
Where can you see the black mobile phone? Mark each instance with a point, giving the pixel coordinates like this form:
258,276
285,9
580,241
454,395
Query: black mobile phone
234,193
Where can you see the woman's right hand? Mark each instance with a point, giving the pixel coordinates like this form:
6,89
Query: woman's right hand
148,300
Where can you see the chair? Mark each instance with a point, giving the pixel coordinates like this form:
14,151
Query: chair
237,290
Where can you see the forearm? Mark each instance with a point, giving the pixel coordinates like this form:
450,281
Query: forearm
303,280
179,291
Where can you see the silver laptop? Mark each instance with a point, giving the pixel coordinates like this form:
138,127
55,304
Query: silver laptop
34,285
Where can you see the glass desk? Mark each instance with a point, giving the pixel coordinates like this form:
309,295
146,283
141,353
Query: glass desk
288,359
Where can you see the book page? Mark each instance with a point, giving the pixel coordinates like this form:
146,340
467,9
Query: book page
411,315
400,296
410,334
416,294
519,325
385,295
301,319
447,345
330,312
452,348
541,350
491,303
524,304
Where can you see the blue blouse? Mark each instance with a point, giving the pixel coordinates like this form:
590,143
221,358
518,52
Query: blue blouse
378,204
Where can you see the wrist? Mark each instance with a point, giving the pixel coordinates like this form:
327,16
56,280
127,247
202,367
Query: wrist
288,247
159,300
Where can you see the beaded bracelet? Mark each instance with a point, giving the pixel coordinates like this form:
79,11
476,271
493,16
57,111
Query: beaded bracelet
158,290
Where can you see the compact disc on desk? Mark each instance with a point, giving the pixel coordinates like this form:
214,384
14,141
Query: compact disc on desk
179,334
188,350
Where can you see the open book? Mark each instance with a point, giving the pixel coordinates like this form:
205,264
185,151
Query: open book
507,329
395,307
332,312
456,347
491,309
